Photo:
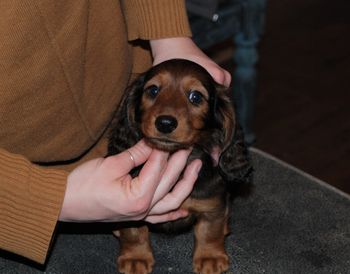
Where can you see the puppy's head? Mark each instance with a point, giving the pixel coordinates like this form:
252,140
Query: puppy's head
177,104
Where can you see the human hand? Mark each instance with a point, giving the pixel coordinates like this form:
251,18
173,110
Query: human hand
103,190
185,48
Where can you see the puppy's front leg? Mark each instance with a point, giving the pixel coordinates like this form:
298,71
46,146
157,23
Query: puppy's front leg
136,254
210,256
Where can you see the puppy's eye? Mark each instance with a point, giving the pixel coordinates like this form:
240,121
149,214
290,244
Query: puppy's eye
152,91
195,97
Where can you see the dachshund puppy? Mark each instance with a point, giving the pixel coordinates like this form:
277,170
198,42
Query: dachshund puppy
177,105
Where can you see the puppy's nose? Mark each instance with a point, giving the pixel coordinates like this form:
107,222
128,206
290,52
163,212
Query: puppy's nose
166,123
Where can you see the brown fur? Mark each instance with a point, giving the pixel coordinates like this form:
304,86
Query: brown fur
176,105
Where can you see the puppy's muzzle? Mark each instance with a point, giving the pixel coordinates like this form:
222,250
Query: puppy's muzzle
166,123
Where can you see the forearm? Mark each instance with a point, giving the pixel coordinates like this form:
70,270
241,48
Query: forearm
30,201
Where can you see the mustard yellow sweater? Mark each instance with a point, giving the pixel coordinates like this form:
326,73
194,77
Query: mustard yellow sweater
63,67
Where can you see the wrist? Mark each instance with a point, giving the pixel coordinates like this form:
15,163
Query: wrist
162,43
172,44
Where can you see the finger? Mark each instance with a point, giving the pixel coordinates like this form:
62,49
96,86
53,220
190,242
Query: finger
215,154
221,76
181,190
125,161
140,153
150,174
174,168
170,216
227,79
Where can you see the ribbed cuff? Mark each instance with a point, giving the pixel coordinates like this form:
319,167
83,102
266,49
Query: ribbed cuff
30,201
155,19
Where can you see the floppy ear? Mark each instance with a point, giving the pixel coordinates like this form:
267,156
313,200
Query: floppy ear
233,163
125,130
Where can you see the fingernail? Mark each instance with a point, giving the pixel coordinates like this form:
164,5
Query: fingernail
182,213
189,150
199,166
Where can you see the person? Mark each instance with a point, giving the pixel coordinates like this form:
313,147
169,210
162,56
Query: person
63,68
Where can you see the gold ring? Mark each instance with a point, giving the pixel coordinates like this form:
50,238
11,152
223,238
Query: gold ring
131,157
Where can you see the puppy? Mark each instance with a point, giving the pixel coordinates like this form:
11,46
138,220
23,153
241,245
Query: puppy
177,105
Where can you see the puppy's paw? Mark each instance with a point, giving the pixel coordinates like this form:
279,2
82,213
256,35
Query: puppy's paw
135,265
210,263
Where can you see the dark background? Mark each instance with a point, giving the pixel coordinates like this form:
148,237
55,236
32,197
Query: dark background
303,97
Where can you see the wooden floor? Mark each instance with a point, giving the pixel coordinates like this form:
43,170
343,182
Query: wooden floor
303,98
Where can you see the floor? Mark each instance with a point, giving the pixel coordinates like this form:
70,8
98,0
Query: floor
303,97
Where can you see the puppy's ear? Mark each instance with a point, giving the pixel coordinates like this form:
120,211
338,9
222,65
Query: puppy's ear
224,116
233,162
125,130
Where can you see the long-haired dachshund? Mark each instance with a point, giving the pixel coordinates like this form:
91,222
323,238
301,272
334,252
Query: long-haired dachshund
176,105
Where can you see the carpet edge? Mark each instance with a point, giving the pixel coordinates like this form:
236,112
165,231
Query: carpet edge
300,171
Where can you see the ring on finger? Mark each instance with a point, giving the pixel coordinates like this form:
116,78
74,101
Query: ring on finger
131,157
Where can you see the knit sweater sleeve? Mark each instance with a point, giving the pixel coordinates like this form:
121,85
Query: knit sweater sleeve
30,202
154,19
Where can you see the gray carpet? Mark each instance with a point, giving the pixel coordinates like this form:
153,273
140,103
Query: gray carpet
288,222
